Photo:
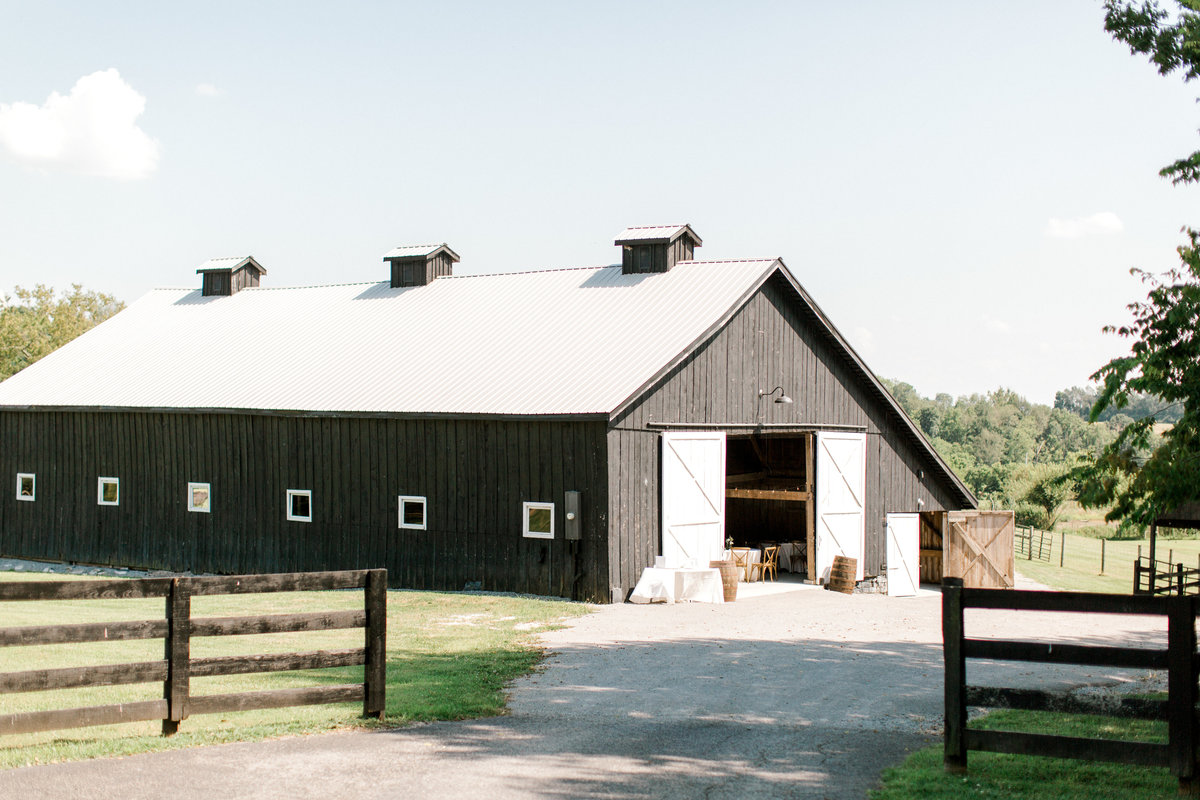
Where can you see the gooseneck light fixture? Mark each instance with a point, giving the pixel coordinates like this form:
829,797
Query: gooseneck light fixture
783,398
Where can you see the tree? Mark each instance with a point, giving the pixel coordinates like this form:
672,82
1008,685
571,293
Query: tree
1140,479
1172,40
1047,493
39,321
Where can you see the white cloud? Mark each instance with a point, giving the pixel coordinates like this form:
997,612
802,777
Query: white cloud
91,131
1103,223
996,325
208,90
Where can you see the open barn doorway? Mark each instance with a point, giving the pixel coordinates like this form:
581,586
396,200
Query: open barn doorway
769,497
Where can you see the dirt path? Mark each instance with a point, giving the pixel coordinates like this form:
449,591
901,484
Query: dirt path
801,694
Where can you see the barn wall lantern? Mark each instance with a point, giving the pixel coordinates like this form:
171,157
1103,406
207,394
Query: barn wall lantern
783,398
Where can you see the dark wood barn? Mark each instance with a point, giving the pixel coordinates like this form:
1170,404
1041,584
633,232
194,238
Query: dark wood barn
547,432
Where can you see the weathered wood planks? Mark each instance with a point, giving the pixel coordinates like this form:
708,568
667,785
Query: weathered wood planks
177,629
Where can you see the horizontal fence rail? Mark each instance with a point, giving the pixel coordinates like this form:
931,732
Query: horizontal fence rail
177,667
1031,543
1151,576
1179,659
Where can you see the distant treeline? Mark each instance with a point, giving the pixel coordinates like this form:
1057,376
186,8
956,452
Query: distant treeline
1079,400
1008,450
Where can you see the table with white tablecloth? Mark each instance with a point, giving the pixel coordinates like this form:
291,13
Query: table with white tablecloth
678,585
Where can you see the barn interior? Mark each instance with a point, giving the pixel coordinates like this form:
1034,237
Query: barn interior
932,525
769,494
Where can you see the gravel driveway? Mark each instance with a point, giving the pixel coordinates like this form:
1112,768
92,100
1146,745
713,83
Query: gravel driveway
804,693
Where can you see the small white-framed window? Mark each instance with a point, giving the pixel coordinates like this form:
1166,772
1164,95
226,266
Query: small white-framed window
299,505
537,520
412,512
26,486
199,497
108,491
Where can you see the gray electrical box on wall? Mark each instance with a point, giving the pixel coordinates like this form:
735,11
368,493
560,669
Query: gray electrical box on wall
574,527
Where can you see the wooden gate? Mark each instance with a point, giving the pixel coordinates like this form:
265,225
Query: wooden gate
979,548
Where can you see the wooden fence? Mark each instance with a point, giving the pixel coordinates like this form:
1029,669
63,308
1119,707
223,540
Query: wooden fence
1179,659
1033,544
177,667
1155,577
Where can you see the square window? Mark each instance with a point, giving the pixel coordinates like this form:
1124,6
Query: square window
537,520
299,505
412,512
26,486
108,492
199,497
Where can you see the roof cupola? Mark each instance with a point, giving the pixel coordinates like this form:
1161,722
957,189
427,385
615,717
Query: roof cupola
417,265
227,276
656,248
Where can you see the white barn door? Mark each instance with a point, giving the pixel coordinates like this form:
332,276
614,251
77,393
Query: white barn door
693,497
841,499
903,554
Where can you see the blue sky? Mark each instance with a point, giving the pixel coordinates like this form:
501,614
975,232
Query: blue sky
963,187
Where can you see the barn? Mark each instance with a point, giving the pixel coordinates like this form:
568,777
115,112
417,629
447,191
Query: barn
549,432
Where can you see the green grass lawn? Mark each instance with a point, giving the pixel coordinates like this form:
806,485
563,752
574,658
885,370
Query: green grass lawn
1081,562
922,776
450,656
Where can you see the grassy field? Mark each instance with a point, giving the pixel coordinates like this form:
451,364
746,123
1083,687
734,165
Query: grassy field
1081,562
450,656
922,776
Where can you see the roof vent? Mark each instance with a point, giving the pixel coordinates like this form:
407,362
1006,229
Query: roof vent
226,276
417,265
656,248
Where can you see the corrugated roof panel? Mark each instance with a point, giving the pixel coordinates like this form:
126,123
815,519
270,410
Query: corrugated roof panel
649,232
412,250
553,342
227,262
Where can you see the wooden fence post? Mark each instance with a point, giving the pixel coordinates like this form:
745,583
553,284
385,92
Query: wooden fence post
1102,543
955,757
1137,572
375,671
1181,691
178,652
1062,547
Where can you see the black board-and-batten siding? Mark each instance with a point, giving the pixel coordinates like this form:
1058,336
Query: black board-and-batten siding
475,475
475,472
774,339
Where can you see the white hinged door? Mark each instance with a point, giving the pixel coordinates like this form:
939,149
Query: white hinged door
841,497
903,554
693,497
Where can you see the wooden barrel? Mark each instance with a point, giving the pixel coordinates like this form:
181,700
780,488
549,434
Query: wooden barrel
729,578
842,575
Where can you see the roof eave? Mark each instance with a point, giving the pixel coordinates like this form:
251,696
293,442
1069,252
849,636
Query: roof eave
638,393
777,266
861,365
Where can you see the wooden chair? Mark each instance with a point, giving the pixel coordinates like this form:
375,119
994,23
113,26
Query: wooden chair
769,564
741,558
798,556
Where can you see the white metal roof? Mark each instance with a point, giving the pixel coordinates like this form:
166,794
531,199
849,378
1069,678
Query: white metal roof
415,250
571,341
228,262
654,233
